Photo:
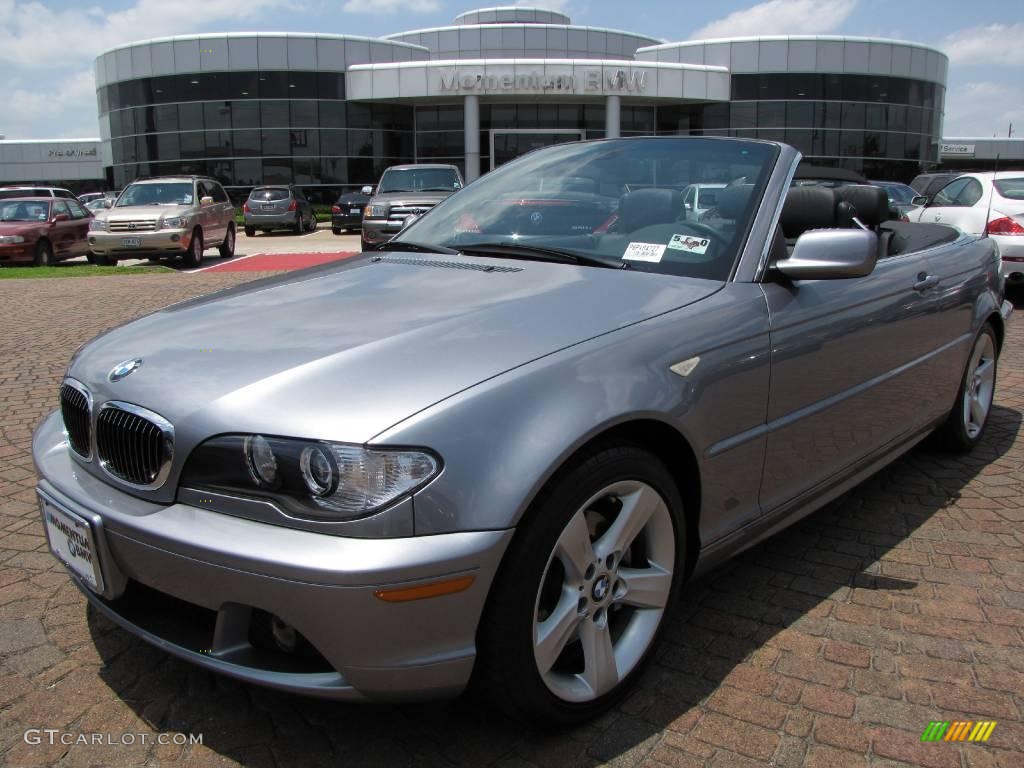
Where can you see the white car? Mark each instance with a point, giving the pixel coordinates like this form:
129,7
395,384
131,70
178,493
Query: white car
971,201
700,198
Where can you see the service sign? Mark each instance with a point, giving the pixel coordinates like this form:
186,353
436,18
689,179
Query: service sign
960,150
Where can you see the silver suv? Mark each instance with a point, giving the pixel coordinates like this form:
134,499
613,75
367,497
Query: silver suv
165,216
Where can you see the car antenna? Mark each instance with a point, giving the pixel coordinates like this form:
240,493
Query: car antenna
991,194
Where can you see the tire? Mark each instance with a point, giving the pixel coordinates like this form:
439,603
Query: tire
566,561
107,261
965,426
297,226
366,246
335,230
44,254
312,222
194,256
91,258
227,248
250,231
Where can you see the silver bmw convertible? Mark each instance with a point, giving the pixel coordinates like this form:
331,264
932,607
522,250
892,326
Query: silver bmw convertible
491,452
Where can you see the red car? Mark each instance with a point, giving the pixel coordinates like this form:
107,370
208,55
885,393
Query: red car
42,230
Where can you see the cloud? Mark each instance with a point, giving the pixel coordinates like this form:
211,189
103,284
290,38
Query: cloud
990,44
35,36
63,109
984,108
781,17
390,7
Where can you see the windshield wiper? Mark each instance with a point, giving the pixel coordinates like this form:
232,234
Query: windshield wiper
437,189
542,253
407,245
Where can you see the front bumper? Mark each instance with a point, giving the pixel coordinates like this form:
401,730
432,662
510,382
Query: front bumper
161,241
217,575
346,220
380,231
16,252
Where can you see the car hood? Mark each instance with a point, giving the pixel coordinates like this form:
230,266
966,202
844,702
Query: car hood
21,227
412,198
344,352
144,211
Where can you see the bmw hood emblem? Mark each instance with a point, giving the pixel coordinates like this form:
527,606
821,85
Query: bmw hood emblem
121,370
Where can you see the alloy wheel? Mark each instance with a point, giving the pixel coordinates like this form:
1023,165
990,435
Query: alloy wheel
604,591
980,386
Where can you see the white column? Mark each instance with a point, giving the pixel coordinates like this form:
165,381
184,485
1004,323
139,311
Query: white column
471,127
611,116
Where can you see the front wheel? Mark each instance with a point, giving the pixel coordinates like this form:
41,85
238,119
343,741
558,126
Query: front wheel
965,425
194,255
227,248
43,255
583,592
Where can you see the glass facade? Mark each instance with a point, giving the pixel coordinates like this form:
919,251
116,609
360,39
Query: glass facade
248,128
882,127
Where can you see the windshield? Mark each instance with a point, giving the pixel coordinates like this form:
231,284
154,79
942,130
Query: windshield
270,193
631,213
20,210
418,180
898,193
168,193
1011,189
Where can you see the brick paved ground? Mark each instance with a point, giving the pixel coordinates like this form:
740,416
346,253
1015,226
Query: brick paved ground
832,644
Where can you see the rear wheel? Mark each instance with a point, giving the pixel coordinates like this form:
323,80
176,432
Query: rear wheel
297,226
365,245
250,231
194,255
312,222
227,248
44,254
965,425
335,230
584,589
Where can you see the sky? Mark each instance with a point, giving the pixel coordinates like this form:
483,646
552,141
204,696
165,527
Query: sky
47,47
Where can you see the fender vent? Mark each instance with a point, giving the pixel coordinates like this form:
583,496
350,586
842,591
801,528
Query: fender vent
445,264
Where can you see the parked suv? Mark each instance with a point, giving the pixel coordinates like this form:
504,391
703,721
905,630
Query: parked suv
405,190
7,193
278,207
165,216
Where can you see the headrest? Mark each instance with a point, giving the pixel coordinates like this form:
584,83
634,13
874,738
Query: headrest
732,201
644,207
809,207
871,203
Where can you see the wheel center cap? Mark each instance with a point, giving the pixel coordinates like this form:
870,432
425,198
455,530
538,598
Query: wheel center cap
600,588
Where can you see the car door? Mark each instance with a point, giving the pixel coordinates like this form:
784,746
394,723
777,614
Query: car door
945,207
80,218
62,233
851,373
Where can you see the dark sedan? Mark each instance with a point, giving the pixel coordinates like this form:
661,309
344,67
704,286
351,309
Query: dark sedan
42,230
347,211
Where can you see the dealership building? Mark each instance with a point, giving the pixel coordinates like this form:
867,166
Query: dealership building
332,111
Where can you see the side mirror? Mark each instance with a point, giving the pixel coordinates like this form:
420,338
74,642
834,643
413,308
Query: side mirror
367,190
457,185
919,200
409,220
831,254
61,217
206,200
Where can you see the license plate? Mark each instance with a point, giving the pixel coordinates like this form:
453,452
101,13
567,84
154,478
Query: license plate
73,542
269,206
130,242
354,210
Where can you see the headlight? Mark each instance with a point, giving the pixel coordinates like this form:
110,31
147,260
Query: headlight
8,239
377,210
177,222
311,479
97,225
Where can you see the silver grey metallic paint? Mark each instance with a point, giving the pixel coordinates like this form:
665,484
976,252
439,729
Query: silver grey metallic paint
505,374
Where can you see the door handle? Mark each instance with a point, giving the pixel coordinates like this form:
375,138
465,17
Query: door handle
925,282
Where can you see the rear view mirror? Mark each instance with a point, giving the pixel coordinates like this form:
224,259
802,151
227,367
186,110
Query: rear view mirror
831,254
919,200
367,190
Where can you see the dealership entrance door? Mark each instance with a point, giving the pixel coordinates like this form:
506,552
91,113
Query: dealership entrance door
509,144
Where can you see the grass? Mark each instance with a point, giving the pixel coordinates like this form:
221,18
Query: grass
76,270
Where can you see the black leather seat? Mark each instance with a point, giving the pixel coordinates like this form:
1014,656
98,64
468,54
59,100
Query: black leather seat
870,203
808,207
644,207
